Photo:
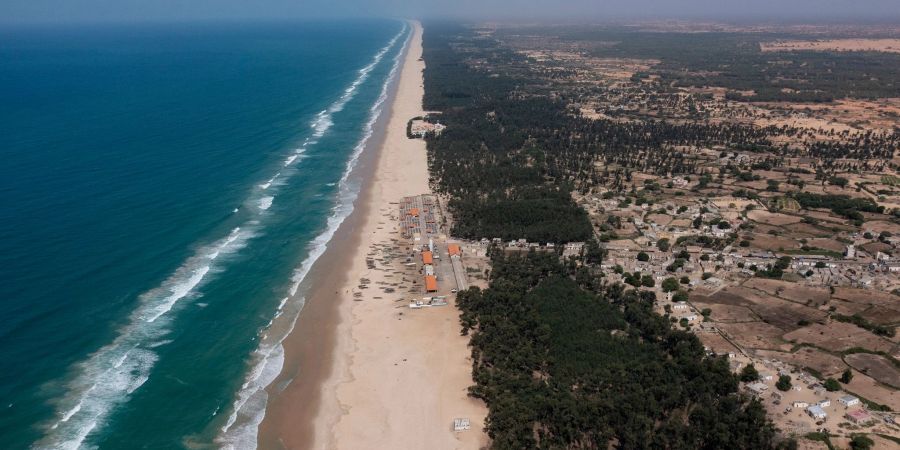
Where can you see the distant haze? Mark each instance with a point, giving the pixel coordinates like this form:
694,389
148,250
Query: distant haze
583,10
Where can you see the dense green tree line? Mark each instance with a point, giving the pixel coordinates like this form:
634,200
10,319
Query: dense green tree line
561,366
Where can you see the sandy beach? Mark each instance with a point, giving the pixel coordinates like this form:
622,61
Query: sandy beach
360,372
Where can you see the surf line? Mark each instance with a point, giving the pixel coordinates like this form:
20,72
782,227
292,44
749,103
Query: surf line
107,378
248,409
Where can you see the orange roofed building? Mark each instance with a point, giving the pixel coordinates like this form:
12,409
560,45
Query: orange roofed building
427,258
454,250
413,212
430,283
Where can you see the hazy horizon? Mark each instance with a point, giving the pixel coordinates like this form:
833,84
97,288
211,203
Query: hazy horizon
62,11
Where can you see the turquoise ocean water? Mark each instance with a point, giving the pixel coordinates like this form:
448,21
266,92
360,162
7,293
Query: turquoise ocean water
163,191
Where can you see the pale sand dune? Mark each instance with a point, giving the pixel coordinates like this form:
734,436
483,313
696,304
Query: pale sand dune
389,383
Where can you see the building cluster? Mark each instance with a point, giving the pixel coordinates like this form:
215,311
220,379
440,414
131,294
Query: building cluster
418,217
420,128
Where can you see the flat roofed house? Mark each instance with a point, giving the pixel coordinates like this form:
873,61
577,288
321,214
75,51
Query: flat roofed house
858,416
849,400
757,388
816,412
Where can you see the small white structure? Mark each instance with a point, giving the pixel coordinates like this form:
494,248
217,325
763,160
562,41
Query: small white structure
680,306
849,400
461,424
800,404
824,403
816,412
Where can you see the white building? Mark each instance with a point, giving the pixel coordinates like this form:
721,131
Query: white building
848,401
816,412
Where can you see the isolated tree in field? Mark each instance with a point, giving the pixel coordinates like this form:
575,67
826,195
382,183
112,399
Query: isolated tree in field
847,376
784,383
670,284
663,244
642,256
749,374
832,385
861,442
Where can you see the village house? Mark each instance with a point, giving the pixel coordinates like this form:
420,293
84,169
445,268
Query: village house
859,416
848,401
816,412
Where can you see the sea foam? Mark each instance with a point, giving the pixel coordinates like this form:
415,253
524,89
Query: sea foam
110,375
248,409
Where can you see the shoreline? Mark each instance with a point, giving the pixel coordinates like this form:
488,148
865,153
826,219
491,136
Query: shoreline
334,352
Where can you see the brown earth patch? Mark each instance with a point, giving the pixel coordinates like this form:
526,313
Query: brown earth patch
727,313
875,366
866,296
661,219
824,363
773,243
778,219
833,45
839,336
881,315
755,335
877,226
827,244
866,386
716,343
790,291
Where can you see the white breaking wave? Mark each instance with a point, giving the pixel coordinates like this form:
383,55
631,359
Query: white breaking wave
107,377
110,375
248,409
323,120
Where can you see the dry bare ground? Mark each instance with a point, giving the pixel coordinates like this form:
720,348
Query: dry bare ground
875,366
836,45
839,336
815,359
